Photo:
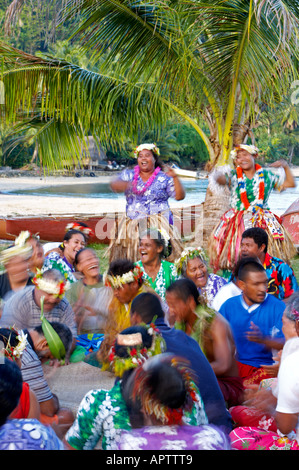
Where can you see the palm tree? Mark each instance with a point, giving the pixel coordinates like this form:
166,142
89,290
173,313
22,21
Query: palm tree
210,60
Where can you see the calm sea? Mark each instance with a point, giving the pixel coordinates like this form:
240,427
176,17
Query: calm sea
195,193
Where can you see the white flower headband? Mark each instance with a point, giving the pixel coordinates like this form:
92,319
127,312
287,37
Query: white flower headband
252,149
151,147
50,286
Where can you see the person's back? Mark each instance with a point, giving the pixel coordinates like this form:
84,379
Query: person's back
179,343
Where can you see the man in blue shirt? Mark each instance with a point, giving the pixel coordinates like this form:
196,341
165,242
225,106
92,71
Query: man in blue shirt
256,321
145,308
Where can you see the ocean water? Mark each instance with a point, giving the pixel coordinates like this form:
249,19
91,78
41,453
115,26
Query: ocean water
195,193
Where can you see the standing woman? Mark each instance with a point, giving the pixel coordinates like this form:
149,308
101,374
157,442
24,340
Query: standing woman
73,241
147,189
250,186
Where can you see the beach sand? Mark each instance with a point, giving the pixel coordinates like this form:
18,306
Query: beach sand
26,205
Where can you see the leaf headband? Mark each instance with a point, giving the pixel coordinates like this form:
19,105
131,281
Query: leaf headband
189,253
20,248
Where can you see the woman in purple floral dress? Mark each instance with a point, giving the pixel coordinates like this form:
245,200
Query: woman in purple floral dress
147,189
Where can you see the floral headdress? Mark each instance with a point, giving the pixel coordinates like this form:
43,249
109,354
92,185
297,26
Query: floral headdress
152,405
76,226
137,352
15,352
152,147
187,254
50,286
252,149
20,248
118,281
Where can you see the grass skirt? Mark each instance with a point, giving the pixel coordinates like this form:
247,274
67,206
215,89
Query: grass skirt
125,242
225,240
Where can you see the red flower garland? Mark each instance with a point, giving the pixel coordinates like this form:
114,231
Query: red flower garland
243,193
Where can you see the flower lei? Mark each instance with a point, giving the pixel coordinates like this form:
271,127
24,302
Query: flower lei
139,353
147,184
242,186
118,281
16,351
50,286
76,226
188,253
152,406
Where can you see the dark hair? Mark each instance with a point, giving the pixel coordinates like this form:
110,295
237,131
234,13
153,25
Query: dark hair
9,335
147,339
258,235
184,288
80,251
163,381
68,235
156,235
249,265
148,306
63,332
11,384
120,267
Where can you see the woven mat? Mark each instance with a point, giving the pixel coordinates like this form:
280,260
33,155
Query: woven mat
70,383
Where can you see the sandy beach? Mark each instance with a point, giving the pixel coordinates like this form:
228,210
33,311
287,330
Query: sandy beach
26,205
12,205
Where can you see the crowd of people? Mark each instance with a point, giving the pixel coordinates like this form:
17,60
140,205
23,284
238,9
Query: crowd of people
203,347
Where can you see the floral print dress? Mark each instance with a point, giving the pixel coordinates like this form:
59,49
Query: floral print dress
103,415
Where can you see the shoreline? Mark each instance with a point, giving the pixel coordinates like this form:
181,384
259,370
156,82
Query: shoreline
16,205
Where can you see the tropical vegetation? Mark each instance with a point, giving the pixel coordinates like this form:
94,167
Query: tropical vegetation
219,71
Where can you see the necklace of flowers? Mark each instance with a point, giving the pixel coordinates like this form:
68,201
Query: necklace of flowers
147,184
242,186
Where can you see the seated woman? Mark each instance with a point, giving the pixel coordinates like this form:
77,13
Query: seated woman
73,241
160,394
103,414
88,296
154,247
125,281
193,265
15,260
279,403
